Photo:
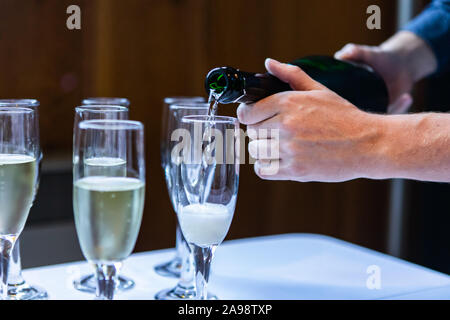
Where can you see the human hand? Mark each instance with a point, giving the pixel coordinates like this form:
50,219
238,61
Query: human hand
390,66
322,137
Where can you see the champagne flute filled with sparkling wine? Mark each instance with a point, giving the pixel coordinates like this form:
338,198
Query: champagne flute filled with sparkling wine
108,204
207,184
18,288
19,154
173,268
107,111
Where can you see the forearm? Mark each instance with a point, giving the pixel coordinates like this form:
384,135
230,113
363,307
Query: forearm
413,53
412,147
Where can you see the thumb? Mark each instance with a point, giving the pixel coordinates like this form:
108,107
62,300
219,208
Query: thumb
293,75
353,52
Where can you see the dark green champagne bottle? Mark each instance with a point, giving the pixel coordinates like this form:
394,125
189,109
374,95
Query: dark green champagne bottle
358,84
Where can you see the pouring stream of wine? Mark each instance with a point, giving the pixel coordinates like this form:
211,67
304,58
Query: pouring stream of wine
208,165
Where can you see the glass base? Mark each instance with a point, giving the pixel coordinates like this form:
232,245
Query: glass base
23,291
88,284
180,293
169,269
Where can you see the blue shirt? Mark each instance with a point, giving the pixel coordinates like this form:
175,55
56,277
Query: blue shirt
433,26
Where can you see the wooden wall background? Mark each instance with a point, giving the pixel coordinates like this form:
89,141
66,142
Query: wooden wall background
148,49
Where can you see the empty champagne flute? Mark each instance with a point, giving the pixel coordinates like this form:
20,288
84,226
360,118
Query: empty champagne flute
108,204
19,154
207,184
18,288
87,283
173,267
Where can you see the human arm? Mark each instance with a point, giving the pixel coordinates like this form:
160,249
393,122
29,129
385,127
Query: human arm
421,48
323,137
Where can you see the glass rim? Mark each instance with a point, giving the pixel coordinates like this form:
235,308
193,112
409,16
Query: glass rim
207,118
111,125
187,106
13,110
124,102
182,99
101,107
19,102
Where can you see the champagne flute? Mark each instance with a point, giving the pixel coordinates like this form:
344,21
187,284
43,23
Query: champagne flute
205,194
19,154
18,288
87,283
173,268
185,288
108,205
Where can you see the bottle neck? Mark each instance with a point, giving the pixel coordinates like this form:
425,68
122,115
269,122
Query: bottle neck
225,84
229,85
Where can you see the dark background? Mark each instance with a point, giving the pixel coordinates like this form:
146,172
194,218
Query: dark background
146,50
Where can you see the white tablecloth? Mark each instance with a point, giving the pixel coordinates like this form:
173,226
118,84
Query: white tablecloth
290,266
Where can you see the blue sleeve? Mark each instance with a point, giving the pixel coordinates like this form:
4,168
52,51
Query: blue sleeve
433,25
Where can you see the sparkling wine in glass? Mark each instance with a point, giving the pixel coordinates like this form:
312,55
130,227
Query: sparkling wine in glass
108,207
173,268
19,154
106,111
185,288
18,288
205,193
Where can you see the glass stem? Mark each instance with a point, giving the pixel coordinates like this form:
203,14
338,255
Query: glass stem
106,275
179,242
187,267
6,247
15,269
202,262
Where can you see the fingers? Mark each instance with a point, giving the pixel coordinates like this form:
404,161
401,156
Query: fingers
353,52
271,170
270,106
296,77
268,129
264,149
401,105
266,108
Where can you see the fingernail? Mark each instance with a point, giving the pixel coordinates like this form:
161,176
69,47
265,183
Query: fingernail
268,61
347,50
272,60
338,54
271,63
